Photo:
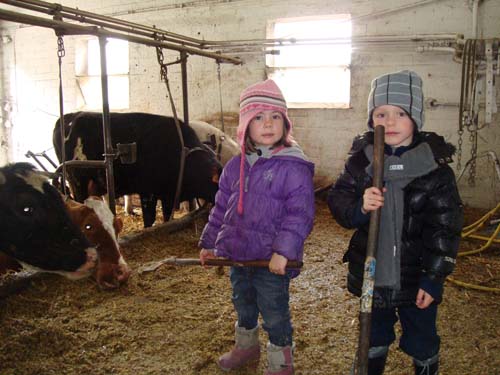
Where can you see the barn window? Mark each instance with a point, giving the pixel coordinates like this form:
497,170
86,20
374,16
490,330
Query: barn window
313,72
88,74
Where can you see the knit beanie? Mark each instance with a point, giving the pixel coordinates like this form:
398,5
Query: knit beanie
402,89
262,96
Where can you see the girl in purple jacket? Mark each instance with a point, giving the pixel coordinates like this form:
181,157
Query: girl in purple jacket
264,209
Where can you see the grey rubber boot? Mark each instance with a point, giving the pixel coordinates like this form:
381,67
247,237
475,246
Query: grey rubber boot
245,350
429,366
280,359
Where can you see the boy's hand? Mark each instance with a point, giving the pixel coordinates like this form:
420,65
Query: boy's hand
372,199
206,254
277,264
424,299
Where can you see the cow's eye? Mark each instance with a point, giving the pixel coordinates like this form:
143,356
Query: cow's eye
88,227
28,211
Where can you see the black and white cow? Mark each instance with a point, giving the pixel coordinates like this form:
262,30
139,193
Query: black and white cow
36,228
154,175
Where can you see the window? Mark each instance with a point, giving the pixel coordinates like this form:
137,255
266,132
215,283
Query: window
88,74
313,72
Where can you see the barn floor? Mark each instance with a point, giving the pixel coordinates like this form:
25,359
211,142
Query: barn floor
178,320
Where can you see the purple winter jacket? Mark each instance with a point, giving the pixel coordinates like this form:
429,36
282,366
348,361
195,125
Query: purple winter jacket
278,209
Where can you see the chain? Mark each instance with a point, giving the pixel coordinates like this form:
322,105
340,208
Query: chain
459,151
473,154
60,47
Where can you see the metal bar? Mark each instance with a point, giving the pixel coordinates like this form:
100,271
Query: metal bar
84,16
69,28
185,96
106,131
85,163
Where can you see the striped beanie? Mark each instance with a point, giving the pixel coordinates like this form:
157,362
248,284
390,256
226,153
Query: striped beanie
262,96
402,89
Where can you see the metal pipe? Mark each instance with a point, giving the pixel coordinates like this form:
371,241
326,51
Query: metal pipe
435,49
475,9
185,96
106,127
281,42
51,8
69,28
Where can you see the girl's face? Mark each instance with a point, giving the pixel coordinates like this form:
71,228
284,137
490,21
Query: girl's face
267,128
397,123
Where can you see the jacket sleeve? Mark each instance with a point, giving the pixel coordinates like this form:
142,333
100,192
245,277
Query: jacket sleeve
442,226
299,214
216,217
344,198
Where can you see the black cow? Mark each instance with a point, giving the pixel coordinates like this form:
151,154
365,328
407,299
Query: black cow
154,175
36,228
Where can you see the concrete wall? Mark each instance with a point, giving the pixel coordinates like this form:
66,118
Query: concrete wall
29,70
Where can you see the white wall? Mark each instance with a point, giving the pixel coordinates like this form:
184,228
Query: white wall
325,134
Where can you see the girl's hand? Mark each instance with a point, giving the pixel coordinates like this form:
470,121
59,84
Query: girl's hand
206,254
372,199
277,264
424,299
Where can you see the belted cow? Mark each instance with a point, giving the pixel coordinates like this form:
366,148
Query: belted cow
154,174
36,228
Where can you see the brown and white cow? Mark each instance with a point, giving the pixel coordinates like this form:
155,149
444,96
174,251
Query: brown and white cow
101,228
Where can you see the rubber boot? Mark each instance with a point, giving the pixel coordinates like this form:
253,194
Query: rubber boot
377,356
245,350
280,360
428,366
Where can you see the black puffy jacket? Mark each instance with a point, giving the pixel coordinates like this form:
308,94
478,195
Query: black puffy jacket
431,227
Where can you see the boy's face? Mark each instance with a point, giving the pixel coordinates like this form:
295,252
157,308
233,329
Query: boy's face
397,123
267,128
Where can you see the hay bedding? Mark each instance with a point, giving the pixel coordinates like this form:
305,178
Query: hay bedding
179,320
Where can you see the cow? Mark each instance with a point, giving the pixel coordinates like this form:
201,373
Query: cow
154,174
223,146
101,228
36,228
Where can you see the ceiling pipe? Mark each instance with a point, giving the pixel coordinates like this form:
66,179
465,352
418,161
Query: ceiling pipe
74,29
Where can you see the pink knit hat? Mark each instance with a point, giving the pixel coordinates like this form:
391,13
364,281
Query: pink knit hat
262,96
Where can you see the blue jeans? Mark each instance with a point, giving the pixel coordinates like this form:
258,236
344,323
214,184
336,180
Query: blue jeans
257,290
419,337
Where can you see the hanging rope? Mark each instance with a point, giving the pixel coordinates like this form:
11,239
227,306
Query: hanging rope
60,54
182,162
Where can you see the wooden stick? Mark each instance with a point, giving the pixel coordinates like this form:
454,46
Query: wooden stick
365,313
212,262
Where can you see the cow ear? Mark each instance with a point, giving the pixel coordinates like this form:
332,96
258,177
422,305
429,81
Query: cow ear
118,225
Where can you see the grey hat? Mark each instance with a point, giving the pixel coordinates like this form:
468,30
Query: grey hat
402,89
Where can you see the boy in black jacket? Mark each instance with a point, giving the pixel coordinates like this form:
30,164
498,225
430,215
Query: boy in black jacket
421,220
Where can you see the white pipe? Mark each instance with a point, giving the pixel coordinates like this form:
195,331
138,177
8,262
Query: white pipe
434,49
475,8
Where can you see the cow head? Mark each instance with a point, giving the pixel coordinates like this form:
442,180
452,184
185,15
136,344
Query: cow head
35,227
101,228
201,176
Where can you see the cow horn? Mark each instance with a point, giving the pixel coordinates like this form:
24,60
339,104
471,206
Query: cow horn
2,179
